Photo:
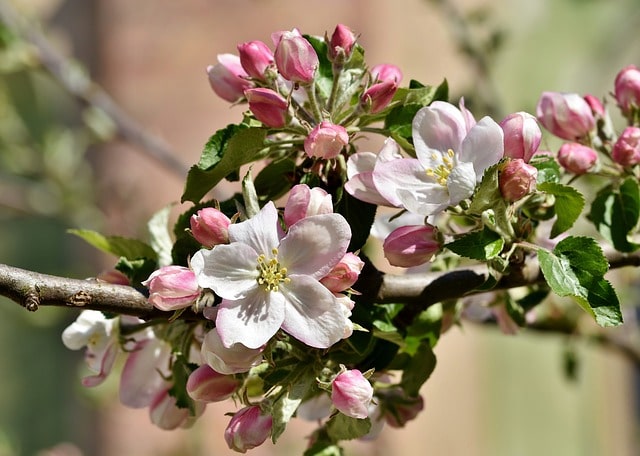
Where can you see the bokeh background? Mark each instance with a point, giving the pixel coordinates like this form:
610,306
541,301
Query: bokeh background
61,167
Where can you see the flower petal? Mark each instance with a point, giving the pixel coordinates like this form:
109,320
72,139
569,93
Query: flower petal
142,374
260,231
229,270
405,173
314,245
439,126
461,183
426,201
251,321
313,315
361,162
483,146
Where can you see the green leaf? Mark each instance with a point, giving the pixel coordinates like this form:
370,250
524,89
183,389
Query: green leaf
615,214
478,245
548,168
322,448
181,369
287,404
136,270
275,179
117,245
576,268
223,154
419,369
323,79
160,238
569,203
343,427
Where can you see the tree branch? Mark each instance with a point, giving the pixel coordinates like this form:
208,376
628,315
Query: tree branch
79,85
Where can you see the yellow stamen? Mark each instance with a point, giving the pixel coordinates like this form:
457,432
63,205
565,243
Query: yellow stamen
271,273
441,172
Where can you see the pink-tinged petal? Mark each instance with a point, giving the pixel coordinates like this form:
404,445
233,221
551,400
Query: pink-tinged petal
361,162
483,146
141,379
229,270
313,315
251,321
440,126
405,173
461,183
363,188
259,232
390,151
314,245
106,364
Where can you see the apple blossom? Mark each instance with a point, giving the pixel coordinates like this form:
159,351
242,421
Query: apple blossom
341,44
304,202
351,393
100,335
267,283
326,140
386,72
626,149
627,89
576,158
344,274
209,226
172,288
451,160
248,428
228,79
566,115
165,413
522,135
145,372
255,58
517,179
411,245
378,96
295,58
268,106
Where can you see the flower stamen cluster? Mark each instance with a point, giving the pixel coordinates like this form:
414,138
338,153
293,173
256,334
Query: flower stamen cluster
272,274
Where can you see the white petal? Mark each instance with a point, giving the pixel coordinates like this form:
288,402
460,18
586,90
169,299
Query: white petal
314,245
141,377
229,269
461,183
362,162
313,315
251,321
260,231
483,146
440,126
426,201
406,173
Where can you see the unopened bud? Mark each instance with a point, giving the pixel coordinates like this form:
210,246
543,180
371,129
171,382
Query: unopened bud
255,57
172,288
576,158
207,385
295,58
227,78
344,274
326,140
248,428
268,106
521,135
378,96
517,179
411,245
351,394
386,72
626,150
304,202
341,44
210,227
627,89
566,115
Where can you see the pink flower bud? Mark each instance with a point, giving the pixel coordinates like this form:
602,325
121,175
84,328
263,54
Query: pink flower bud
521,135
344,274
207,385
378,96
597,108
411,245
248,428
326,140
172,288
351,394
268,106
164,412
398,408
296,59
232,360
627,89
341,44
255,57
517,179
576,158
386,72
227,78
304,202
566,115
626,150
210,227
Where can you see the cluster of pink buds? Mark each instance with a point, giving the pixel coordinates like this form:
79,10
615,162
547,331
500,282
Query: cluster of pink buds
285,89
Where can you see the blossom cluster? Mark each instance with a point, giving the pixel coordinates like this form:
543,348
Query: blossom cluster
276,281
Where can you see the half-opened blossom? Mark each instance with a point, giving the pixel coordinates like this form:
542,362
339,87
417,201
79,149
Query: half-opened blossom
100,335
351,393
451,159
248,428
145,372
172,288
227,78
207,385
228,360
267,283
165,413
305,201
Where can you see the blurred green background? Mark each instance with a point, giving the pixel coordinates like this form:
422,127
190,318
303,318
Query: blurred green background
59,169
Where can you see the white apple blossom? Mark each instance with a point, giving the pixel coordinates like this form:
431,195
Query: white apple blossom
452,154
267,282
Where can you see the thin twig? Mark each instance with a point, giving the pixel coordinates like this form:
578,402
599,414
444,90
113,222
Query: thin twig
77,83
